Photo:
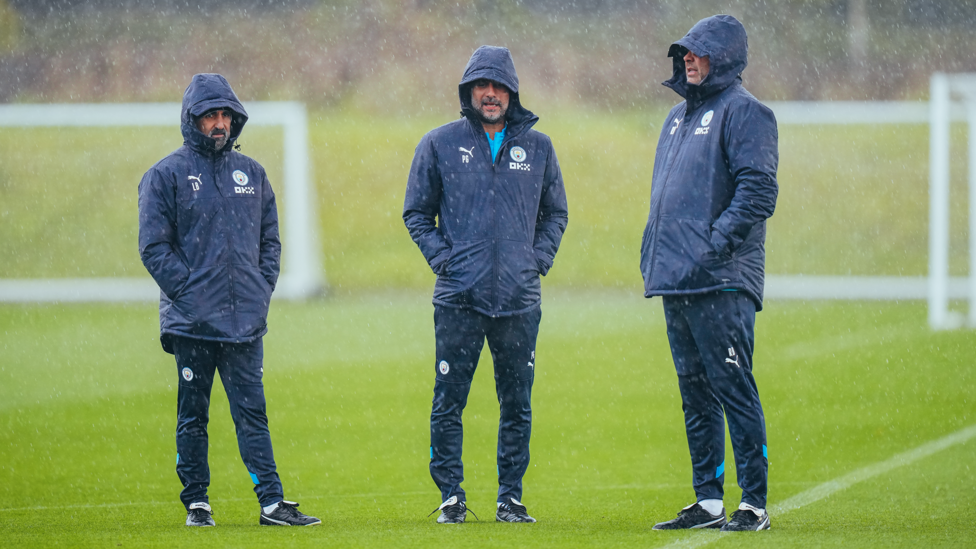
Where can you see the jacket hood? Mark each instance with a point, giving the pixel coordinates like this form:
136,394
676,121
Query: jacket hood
495,64
207,92
721,38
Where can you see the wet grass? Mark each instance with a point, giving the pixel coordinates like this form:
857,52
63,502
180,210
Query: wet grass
87,414
853,199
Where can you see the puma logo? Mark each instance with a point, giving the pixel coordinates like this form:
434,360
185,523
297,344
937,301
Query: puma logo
732,354
471,152
196,181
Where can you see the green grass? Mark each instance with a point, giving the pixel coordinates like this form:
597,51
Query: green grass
87,419
853,199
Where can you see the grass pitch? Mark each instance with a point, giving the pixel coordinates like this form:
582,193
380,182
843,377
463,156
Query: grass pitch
87,419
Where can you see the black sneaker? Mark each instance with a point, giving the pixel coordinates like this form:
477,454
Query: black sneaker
199,514
512,511
748,520
452,511
287,514
693,516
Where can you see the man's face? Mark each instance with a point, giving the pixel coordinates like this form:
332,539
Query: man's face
216,124
490,100
696,68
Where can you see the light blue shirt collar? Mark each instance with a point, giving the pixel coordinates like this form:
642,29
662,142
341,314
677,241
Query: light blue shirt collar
496,143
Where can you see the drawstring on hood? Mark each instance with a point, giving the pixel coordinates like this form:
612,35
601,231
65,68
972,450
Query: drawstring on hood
205,93
722,39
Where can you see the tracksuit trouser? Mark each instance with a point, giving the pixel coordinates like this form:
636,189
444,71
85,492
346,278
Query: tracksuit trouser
712,337
241,368
461,335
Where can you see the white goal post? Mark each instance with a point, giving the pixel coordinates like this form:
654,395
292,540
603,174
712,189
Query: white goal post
938,287
301,276
944,87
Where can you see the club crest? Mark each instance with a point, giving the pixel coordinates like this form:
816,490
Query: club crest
517,154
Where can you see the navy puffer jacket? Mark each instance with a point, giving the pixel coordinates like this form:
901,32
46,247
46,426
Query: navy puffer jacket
487,227
208,229
714,182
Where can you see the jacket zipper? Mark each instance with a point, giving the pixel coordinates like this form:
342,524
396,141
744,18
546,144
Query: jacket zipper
227,246
494,242
680,139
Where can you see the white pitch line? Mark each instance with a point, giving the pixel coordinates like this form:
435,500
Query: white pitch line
817,493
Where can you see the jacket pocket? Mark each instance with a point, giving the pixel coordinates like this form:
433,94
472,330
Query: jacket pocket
686,253
466,258
518,283
201,295
252,293
464,280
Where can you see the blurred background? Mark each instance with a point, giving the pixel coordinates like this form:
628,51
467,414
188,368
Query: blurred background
597,53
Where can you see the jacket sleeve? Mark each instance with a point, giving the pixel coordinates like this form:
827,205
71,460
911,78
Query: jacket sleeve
157,233
269,261
752,151
421,205
553,215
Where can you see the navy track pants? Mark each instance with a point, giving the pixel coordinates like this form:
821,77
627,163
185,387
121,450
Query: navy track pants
241,370
461,335
712,337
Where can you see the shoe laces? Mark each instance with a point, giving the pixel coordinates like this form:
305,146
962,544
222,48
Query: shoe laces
453,510
514,508
200,513
745,514
290,508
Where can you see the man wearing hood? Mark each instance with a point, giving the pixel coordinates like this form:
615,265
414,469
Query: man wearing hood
208,235
486,205
714,186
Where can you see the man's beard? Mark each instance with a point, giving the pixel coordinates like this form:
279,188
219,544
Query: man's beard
491,119
219,140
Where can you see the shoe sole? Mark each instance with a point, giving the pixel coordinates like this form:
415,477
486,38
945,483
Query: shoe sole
717,523
265,521
501,519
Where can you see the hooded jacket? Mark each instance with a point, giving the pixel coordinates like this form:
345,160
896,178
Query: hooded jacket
714,182
208,229
488,227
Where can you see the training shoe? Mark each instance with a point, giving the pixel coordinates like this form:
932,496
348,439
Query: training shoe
452,511
693,516
747,519
287,514
199,514
512,511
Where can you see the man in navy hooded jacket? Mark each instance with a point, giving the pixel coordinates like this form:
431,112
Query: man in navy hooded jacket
486,205
714,186
208,234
